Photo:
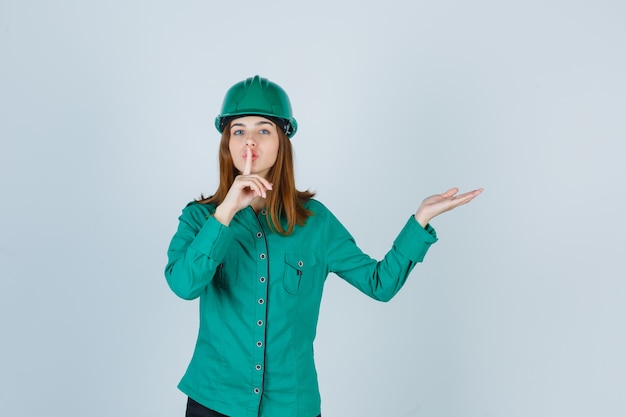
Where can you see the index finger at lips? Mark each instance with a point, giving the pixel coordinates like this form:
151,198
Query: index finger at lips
248,167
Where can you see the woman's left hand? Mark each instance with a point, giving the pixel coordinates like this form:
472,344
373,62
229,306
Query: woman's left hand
440,203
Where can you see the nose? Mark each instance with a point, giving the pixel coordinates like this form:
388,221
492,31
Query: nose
250,140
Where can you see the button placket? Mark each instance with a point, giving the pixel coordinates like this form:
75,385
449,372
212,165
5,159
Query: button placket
261,289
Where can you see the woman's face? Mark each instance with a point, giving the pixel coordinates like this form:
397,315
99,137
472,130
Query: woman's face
260,136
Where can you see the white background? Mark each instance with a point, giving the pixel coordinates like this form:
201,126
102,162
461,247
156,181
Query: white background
106,127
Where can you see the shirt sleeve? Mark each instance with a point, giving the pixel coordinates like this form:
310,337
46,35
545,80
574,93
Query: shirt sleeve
195,251
380,280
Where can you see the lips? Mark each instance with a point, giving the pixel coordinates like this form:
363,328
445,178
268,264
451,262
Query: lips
254,155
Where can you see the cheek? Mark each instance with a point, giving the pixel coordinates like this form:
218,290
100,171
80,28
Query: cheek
275,148
232,148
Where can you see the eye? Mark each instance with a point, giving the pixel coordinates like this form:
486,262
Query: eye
264,132
237,132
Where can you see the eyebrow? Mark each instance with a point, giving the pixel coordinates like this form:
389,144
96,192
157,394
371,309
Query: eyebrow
262,122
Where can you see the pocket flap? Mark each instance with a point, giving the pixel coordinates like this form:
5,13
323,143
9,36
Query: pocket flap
300,260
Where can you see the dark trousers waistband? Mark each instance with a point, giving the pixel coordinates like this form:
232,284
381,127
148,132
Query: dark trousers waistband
198,410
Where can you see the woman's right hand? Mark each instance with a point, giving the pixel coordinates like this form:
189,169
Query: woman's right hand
244,190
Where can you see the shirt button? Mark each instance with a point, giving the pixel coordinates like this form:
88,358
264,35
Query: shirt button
262,279
261,301
300,264
264,212
259,323
258,367
262,256
256,390
259,235
259,344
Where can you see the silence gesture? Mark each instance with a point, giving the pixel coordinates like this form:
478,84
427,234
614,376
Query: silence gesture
244,190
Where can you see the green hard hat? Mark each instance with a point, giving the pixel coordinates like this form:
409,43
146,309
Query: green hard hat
257,96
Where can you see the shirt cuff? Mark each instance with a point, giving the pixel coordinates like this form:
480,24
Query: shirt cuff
212,240
414,240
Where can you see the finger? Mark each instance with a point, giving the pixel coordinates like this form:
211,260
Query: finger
467,197
266,183
470,194
263,181
450,192
248,167
255,191
258,187
258,190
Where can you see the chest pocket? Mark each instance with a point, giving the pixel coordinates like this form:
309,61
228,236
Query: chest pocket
299,272
226,273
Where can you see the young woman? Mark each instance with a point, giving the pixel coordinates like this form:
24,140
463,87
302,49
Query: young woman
257,253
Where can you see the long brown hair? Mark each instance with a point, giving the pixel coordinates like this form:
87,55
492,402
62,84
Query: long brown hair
284,201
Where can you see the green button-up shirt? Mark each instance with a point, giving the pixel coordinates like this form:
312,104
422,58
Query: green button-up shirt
260,294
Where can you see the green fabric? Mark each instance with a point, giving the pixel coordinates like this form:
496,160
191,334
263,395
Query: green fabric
260,294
